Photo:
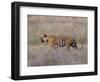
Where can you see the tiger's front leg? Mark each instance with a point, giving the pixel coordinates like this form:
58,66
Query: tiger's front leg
54,47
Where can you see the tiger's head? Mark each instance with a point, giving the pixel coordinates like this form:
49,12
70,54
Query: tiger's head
44,38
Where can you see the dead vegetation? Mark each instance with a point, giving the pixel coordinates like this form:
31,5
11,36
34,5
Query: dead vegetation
42,55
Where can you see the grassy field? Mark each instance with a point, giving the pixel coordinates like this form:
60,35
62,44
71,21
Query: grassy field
40,54
43,55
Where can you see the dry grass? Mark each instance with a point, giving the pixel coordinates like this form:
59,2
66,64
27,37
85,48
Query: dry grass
40,54
43,55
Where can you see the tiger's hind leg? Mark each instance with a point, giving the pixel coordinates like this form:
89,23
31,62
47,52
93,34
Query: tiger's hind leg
74,44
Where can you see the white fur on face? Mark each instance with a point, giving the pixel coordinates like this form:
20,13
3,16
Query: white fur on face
45,39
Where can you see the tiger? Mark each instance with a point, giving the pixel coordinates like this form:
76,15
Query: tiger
59,41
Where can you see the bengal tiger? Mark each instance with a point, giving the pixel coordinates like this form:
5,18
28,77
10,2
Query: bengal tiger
59,41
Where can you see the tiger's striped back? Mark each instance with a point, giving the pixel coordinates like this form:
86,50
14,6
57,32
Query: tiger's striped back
61,41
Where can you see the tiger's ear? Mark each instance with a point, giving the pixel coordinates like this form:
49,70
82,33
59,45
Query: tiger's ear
44,35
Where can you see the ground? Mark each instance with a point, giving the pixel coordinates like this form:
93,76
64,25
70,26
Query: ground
43,55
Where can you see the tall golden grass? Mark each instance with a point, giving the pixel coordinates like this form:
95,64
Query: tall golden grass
64,25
